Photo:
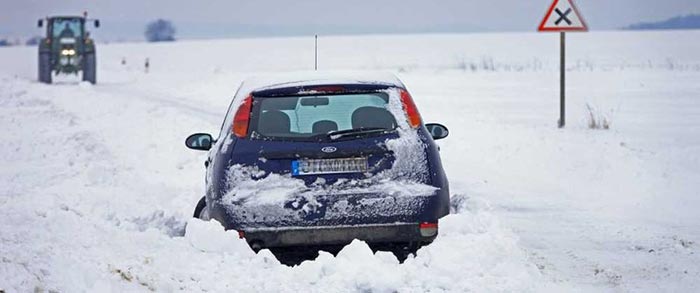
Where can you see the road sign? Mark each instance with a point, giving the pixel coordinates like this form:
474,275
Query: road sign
563,16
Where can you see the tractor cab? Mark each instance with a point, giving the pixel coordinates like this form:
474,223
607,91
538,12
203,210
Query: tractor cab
67,48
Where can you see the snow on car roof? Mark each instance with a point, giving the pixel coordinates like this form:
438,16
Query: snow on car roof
303,78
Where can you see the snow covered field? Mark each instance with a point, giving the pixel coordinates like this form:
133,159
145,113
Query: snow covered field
97,188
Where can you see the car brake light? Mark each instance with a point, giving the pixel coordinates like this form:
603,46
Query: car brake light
242,118
328,89
428,229
410,108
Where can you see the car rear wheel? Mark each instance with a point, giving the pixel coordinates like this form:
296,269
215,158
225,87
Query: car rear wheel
201,212
45,67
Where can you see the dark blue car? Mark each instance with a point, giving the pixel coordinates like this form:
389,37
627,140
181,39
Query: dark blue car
310,162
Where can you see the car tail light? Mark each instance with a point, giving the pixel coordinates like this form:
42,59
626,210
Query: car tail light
410,108
428,229
241,234
242,118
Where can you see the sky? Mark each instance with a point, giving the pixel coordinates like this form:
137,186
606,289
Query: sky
126,19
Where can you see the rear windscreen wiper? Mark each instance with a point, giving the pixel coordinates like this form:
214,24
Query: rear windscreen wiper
355,131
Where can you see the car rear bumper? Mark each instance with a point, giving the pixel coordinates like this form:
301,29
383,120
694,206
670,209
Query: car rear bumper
330,210
334,235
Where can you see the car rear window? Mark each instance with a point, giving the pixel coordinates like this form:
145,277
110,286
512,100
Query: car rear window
303,117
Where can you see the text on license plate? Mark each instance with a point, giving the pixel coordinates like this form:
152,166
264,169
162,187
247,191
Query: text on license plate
329,166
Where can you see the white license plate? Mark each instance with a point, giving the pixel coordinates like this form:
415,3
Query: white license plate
329,166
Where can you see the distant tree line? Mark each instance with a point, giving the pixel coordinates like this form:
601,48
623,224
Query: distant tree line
4,42
691,21
159,30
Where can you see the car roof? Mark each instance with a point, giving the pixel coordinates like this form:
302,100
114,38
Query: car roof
314,78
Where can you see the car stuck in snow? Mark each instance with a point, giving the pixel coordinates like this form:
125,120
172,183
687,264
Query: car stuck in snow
308,162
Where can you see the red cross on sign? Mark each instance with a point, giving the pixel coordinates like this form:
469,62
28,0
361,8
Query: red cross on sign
563,16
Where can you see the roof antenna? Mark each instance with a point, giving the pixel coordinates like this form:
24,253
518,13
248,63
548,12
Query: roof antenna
315,52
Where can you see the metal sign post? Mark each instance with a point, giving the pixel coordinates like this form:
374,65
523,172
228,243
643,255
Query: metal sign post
562,79
564,21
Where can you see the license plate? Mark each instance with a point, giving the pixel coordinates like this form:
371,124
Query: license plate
329,166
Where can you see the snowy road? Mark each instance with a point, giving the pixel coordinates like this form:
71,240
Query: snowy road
96,178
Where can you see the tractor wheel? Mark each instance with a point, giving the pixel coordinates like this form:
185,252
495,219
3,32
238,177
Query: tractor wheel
90,68
44,67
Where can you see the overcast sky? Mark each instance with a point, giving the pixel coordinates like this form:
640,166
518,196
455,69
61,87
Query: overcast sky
125,19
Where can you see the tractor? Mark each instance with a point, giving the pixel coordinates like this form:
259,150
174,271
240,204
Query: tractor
67,48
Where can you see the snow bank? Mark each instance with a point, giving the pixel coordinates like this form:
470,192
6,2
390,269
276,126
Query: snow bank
472,253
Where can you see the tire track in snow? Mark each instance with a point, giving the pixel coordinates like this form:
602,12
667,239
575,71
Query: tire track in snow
177,101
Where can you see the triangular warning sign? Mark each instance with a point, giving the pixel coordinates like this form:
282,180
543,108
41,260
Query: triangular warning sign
563,16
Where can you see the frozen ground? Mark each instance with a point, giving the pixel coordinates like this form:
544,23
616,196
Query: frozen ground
96,187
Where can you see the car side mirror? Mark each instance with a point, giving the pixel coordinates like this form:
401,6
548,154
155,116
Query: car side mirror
199,141
40,23
97,23
437,131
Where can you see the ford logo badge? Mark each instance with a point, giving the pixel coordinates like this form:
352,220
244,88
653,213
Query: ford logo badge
329,149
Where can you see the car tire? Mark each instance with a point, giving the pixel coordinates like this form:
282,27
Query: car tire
90,68
45,68
200,211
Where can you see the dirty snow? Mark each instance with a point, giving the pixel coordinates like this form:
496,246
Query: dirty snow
97,188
